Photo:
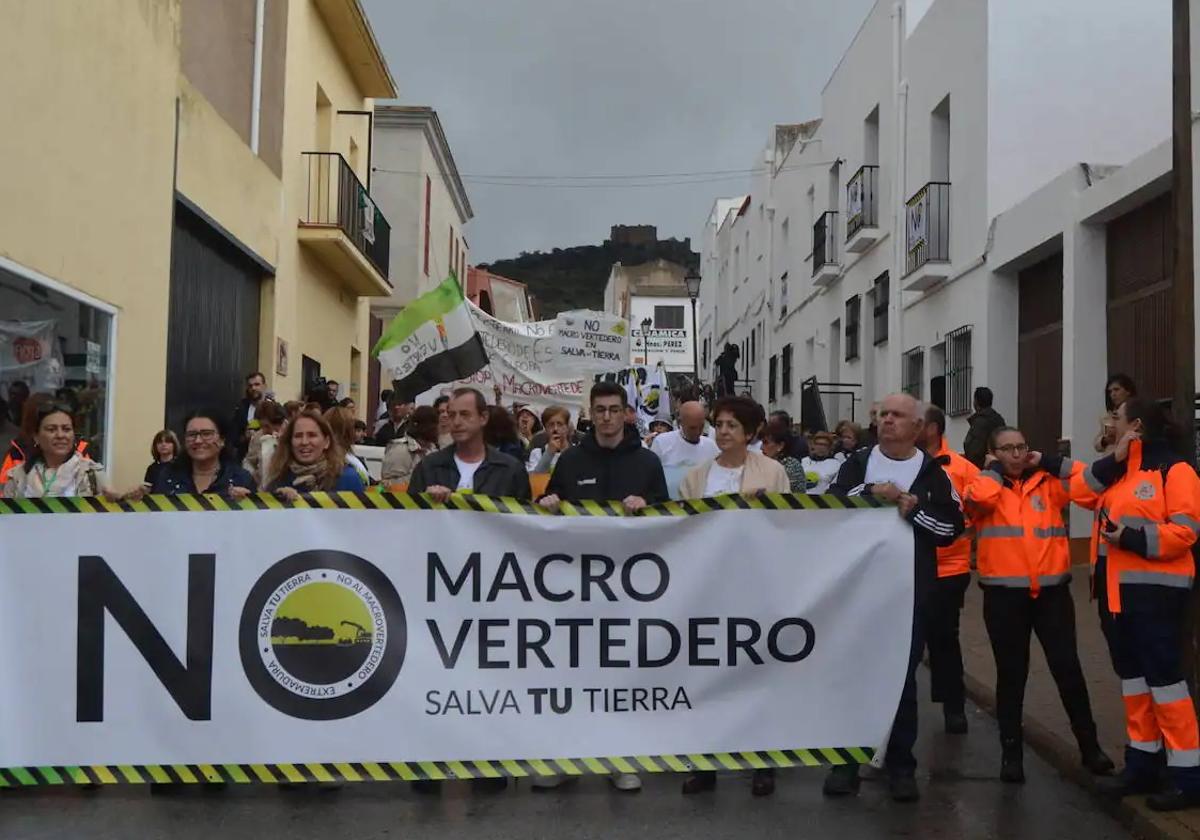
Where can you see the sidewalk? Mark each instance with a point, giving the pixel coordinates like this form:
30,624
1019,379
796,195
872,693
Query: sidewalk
1046,727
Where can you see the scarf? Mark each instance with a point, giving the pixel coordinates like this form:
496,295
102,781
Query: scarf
309,477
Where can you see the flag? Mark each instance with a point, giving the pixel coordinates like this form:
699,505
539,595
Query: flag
655,403
431,341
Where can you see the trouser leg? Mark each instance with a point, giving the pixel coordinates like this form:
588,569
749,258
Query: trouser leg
900,760
1054,623
945,651
1007,614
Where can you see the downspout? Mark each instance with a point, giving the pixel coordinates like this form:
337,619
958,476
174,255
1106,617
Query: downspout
895,353
256,83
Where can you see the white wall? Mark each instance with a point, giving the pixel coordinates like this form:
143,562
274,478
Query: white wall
672,347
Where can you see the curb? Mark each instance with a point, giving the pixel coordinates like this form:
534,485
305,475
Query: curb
1063,755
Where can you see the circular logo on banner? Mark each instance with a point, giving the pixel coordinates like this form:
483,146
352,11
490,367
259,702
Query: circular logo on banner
323,635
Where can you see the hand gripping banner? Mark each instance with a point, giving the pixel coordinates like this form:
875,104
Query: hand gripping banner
371,636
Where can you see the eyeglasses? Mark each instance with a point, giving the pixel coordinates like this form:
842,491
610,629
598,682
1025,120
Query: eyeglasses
201,434
602,410
1013,448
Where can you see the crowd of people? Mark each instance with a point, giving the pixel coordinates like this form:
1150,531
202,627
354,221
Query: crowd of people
997,511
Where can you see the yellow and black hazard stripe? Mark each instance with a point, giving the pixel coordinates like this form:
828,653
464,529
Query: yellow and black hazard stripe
374,500
412,771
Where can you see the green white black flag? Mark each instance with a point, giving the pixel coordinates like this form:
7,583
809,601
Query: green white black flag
431,341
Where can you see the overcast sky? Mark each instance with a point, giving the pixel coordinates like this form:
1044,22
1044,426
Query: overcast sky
619,87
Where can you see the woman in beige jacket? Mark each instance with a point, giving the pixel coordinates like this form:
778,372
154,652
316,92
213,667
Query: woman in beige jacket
736,470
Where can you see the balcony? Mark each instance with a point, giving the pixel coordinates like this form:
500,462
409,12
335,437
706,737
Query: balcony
826,266
927,229
862,210
343,228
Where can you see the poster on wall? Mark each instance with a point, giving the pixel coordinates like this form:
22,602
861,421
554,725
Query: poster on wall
854,200
29,353
918,220
591,341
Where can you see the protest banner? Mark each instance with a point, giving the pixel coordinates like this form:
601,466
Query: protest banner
371,636
591,342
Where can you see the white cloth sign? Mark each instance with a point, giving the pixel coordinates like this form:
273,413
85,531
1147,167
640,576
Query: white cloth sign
343,635
918,219
29,352
591,342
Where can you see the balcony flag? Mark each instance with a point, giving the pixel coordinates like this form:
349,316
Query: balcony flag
430,342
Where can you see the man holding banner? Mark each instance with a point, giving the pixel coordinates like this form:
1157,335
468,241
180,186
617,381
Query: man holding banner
899,472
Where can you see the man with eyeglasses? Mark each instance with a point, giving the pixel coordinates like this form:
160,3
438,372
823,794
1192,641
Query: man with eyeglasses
609,464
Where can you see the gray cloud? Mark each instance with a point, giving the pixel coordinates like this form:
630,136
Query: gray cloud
615,87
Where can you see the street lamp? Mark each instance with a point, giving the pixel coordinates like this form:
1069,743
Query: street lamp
693,289
646,325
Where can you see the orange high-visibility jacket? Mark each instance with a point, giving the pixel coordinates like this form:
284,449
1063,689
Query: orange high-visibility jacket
956,559
1157,498
1022,536
16,454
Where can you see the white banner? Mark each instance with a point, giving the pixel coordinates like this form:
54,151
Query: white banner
591,342
326,635
918,219
29,352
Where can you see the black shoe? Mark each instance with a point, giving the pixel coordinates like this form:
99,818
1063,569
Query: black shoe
904,788
1096,762
1012,764
841,781
763,783
956,723
1173,799
699,782
1128,783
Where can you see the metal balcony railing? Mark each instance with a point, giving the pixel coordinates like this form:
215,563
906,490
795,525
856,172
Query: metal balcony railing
336,198
825,241
862,200
928,226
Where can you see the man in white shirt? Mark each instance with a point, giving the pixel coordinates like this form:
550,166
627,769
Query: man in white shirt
686,447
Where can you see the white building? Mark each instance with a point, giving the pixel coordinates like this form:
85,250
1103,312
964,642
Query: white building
654,291
867,254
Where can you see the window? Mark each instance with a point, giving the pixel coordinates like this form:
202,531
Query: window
913,371
783,283
958,372
668,317
753,347
853,313
787,369
428,201
772,372
880,296
939,142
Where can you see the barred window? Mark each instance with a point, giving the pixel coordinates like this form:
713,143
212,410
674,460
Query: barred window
853,314
787,369
880,311
958,372
913,372
772,373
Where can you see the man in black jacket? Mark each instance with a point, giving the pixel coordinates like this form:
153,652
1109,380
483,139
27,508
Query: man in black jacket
899,472
244,415
983,422
468,464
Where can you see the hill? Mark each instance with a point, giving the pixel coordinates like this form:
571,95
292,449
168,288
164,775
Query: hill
574,278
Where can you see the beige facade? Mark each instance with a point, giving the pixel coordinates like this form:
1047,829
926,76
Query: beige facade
97,151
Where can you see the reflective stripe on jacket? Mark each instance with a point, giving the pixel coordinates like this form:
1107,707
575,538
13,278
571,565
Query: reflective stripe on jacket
956,559
1157,498
1022,536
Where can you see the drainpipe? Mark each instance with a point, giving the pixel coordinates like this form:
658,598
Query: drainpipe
256,83
895,353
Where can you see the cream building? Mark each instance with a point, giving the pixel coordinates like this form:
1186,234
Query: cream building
192,212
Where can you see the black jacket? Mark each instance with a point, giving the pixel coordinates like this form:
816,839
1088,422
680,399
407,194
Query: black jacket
239,440
975,444
937,519
177,479
498,475
391,431
591,472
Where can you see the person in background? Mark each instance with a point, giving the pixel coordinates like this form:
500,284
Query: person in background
1117,391
246,413
333,388
341,424
394,426
205,466
686,447
850,439
360,432
271,420
164,449
444,438
610,463
8,429
309,459
293,408
1016,504
501,433
53,467
18,393
983,422
736,469
870,435
897,471
556,422
348,403
776,444
820,467
23,443
528,425
780,422
655,428
469,464
403,454
631,418
381,410
1149,500
953,578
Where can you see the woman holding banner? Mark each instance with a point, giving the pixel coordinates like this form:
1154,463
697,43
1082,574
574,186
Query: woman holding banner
308,459
55,468
206,465
735,470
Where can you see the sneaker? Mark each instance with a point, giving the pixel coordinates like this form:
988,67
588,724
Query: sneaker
956,723
841,781
1173,799
546,782
626,782
904,788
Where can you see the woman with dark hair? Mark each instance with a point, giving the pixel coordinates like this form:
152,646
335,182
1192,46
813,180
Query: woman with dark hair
528,424
54,468
206,465
777,444
556,438
271,418
404,453
849,439
1117,390
164,449
1148,500
735,470
308,459
341,423
501,433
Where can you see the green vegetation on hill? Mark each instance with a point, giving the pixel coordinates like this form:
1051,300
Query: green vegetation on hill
574,278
